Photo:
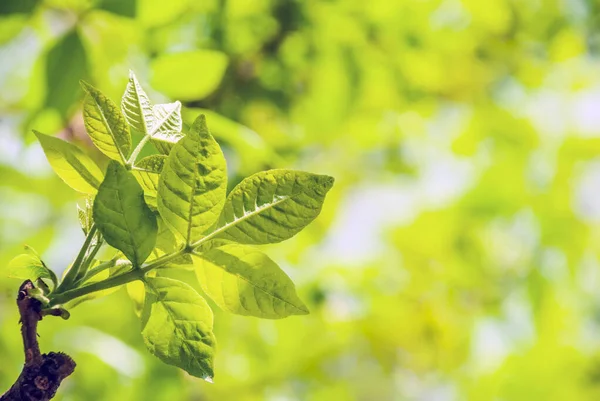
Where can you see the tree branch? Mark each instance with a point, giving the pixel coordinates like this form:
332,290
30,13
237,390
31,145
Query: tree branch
42,373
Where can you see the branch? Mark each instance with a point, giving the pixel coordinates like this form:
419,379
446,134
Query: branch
42,373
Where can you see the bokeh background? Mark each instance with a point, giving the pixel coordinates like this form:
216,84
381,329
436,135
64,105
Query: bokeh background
456,258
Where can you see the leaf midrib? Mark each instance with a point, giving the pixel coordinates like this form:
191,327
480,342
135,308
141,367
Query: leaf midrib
162,121
263,290
136,86
170,314
237,221
110,130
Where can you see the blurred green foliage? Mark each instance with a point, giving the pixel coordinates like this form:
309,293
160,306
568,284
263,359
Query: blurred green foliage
457,255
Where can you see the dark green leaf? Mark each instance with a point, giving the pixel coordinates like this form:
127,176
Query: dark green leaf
66,64
123,217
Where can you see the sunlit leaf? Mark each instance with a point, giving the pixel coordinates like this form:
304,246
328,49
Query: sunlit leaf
84,214
166,118
136,106
73,166
245,281
28,266
164,141
192,186
106,125
147,172
272,206
177,326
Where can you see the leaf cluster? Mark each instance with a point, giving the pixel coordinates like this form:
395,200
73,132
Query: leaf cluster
171,210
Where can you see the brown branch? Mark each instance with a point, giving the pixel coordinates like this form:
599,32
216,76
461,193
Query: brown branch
42,373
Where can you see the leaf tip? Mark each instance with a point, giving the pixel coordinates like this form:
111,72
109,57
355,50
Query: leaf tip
325,181
37,134
302,309
86,87
199,125
209,379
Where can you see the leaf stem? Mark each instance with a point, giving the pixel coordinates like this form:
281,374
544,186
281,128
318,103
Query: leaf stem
131,275
88,260
137,150
74,271
101,267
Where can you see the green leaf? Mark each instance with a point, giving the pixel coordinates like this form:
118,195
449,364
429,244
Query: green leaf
106,125
147,171
167,118
190,75
193,184
123,217
73,166
166,243
66,64
245,281
253,151
272,206
136,106
84,214
177,326
29,267
146,118
126,8
164,141
17,6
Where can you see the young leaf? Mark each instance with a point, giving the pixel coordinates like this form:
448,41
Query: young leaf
245,281
164,141
84,214
272,206
136,106
73,166
29,267
106,125
177,326
167,118
147,172
123,217
193,184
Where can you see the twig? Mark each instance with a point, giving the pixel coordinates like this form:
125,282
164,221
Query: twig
42,373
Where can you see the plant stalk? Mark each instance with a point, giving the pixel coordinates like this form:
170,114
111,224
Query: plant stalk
132,275
137,150
74,271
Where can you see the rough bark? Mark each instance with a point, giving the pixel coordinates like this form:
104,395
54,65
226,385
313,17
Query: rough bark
42,373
